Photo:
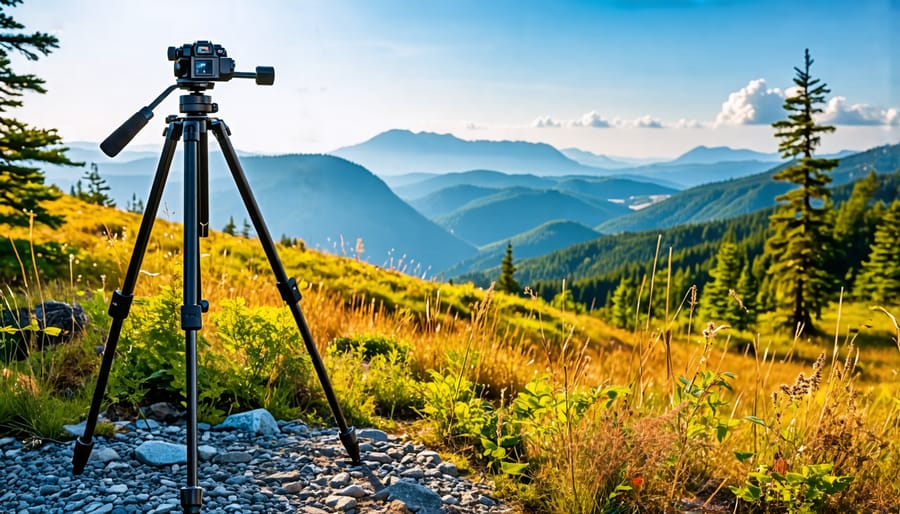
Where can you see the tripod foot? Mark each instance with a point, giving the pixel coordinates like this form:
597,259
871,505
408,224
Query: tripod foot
348,438
191,499
81,455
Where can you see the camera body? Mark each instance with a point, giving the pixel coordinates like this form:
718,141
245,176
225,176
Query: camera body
202,61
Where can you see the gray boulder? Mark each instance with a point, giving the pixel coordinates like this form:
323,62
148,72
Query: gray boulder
417,498
159,453
258,421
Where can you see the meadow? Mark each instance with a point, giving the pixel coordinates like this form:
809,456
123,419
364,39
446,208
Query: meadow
564,412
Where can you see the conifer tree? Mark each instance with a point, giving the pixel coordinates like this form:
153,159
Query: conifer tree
879,279
623,302
507,281
230,227
96,191
799,229
716,301
854,228
23,147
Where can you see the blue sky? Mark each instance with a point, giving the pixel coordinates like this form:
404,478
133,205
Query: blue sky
647,78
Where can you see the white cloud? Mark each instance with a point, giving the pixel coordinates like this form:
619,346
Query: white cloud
591,119
643,122
754,104
685,123
839,112
545,122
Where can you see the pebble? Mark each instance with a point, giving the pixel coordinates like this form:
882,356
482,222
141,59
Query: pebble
297,469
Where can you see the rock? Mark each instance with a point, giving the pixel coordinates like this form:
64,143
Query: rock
416,497
258,421
448,468
159,453
341,503
371,433
353,491
75,430
206,452
340,480
105,455
147,424
233,458
163,411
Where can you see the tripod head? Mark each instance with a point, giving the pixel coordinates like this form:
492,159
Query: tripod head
198,67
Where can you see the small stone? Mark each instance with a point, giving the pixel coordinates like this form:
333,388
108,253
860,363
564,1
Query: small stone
159,453
341,503
258,421
117,489
373,434
206,452
448,468
233,458
353,491
414,473
47,490
449,499
105,455
340,480
487,501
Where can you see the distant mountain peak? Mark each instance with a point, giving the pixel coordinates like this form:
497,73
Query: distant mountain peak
399,151
712,154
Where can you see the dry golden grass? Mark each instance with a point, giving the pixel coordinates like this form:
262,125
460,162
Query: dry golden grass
504,342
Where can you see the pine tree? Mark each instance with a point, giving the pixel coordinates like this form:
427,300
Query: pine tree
799,231
230,227
245,230
879,279
135,205
96,191
716,301
22,147
623,300
854,228
507,281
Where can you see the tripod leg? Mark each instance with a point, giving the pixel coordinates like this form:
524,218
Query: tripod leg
191,311
287,287
121,300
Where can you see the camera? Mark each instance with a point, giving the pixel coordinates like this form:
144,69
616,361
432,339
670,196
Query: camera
202,61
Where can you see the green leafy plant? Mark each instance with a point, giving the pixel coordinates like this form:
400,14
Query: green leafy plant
794,492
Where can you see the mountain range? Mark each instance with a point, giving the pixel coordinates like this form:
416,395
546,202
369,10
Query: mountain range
431,221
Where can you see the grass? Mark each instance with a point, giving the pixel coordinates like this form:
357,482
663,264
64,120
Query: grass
565,412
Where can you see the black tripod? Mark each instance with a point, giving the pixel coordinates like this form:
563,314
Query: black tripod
194,126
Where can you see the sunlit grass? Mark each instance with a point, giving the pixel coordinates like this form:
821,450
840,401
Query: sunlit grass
501,343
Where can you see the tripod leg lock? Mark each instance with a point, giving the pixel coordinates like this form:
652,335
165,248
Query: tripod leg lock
290,293
81,455
120,305
191,317
191,499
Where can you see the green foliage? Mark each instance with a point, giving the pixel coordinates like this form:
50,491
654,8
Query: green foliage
801,227
377,370
24,146
370,346
507,281
800,492
879,279
703,396
95,191
230,228
721,299
267,352
151,359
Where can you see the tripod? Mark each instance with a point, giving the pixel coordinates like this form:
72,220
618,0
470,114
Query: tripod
194,127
